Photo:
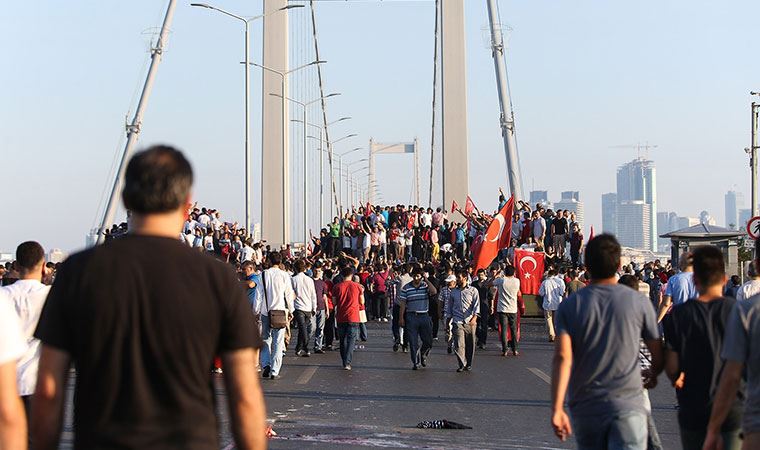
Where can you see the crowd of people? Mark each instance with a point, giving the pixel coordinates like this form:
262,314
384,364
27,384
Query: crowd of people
115,311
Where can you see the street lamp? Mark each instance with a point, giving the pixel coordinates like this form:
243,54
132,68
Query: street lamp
351,181
321,163
343,155
305,106
285,188
247,22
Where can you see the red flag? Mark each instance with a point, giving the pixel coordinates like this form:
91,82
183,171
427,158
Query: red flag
500,226
469,206
454,205
530,269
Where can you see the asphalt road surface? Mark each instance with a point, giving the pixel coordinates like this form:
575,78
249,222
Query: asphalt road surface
318,405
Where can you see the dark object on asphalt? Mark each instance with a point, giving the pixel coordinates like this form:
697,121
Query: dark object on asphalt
442,425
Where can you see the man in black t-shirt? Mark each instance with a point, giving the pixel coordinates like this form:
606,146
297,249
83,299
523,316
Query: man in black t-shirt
142,318
694,337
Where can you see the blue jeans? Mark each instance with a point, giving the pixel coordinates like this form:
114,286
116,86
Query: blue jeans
418,327
274,342
621,431
347,333
319,329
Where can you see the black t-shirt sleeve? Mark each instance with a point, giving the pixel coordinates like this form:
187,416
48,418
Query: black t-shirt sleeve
53,328
672,335
237,327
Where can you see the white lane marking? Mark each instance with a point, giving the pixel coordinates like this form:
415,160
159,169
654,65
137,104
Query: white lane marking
541,374
306,375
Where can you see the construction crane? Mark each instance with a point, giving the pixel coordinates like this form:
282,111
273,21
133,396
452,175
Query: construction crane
641,149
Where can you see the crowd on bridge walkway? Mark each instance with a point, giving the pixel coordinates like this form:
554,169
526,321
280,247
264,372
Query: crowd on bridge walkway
182,282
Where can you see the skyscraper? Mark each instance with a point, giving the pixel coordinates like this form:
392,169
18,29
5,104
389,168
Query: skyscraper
734,202
666,222
609,213
633,228
571,202
541,197
744,216
636,182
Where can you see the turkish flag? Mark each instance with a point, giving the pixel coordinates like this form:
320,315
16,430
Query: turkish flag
500,226
469,206
454,205
530,269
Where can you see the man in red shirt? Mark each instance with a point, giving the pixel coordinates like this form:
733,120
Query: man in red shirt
347,296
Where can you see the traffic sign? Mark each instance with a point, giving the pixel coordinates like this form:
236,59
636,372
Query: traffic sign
753,227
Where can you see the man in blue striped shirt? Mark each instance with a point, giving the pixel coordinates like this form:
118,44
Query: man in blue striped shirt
463,310
414,318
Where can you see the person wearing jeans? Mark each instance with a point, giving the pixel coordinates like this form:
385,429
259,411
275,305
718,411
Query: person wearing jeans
506,296
347,334
464,309
278,296
348,297
270,357
305,305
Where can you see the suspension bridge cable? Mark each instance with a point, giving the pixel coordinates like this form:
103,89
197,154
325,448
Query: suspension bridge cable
435,89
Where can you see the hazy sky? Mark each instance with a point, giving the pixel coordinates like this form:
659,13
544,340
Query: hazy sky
585,76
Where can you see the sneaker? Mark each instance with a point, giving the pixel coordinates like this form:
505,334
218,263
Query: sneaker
361,347
468,368
551,338
515,353
449,350
395,348
347,367
405,349
415,367
504,353
435,339
274,377
423,361
385,319
460,369
306,354
266,372
327,348
319,351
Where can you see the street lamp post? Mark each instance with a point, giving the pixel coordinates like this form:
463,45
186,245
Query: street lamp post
321,165
247,22
340,175
305,106
328,151
285,188
351,185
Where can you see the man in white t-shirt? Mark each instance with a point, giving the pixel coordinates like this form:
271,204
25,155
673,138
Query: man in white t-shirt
28,295
507,293
751,287
13,432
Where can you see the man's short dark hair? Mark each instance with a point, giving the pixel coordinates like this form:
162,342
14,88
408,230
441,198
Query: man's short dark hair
630,281
28,255
603,256
709,265
509,271
275,258
346,271
157,180
299,266
248,264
